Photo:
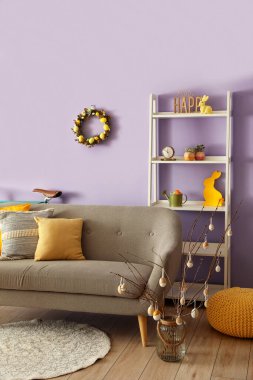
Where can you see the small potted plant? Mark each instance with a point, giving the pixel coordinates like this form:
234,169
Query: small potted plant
189,154
200,152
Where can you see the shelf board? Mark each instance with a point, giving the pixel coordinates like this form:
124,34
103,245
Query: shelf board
212,289
172,115
180,160
188,206
209,251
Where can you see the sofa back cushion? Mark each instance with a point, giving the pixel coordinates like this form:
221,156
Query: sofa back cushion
110,232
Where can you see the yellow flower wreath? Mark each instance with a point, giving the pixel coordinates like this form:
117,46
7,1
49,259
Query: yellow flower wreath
82,117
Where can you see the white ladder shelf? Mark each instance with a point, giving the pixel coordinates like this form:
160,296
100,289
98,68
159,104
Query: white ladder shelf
155,160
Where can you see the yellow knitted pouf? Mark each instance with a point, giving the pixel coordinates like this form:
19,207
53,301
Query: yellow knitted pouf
230,311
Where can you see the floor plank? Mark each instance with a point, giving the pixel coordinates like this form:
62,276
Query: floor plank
11,314
250,368
200,358
233,358
134,358
222,378
64,377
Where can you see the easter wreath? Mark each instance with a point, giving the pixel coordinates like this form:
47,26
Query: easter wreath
85,115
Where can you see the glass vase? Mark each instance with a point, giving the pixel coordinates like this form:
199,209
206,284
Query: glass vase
170,339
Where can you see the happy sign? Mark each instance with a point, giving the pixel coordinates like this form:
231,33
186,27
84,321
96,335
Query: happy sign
186,104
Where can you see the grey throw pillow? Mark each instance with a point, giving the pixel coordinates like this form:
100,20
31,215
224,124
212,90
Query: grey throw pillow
20,232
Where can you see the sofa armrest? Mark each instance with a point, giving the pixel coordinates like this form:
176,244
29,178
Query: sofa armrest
170,251
172,264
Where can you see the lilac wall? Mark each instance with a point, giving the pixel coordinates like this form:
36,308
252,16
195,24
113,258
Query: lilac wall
58,56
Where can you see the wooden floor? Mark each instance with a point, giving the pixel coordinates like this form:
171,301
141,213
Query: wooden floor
210,355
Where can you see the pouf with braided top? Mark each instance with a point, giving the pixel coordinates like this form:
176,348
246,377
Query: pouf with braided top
230,311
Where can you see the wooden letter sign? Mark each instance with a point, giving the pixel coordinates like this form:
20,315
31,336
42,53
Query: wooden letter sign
186,104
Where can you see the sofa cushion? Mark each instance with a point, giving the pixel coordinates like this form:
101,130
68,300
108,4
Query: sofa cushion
59,239
18,207
82,277
20,232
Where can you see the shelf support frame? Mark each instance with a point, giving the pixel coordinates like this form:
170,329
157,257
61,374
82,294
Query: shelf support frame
153,174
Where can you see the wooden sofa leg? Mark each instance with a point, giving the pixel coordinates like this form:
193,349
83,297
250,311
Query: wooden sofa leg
142,319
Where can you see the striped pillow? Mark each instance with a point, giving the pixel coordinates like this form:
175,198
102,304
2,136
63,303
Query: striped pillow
20,232
18,207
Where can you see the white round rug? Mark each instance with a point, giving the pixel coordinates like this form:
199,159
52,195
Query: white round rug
42,349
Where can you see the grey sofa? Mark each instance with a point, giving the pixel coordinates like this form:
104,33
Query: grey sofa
89,285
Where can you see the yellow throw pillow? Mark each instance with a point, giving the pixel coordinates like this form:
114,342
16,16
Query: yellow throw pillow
59,239
21,207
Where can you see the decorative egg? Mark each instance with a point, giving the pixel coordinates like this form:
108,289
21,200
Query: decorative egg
179,320
211,227
206,303
151,310
81,139
76,129
91,140
205,291
217,268
194,313
205,244
97,113
77,122
189,264
157,315
162,282
102,136
229,233
182,301
83,113
120,290
103,120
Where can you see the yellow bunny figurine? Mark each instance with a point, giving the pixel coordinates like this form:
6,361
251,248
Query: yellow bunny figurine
203,107
212,196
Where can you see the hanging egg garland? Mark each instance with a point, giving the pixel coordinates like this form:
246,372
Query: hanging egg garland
229,232
205,242
189,262
194,313
182,301
156,315
151,310
122,286
211,225
217,268
179,320
80,121
163,281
